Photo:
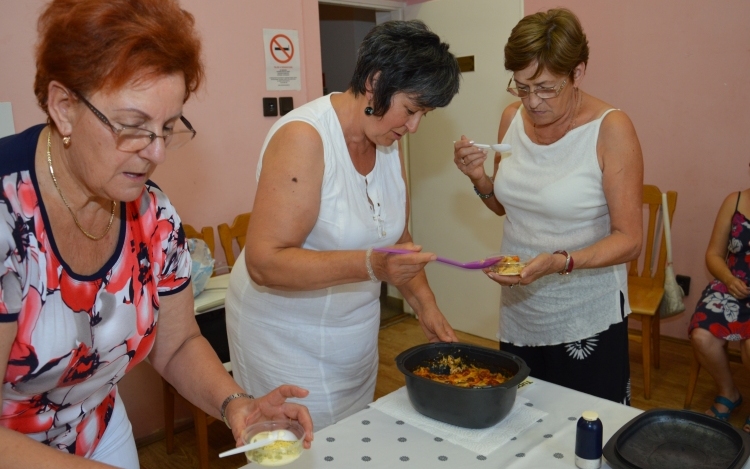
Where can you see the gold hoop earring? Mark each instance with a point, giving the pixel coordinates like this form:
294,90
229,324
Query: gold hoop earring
66,141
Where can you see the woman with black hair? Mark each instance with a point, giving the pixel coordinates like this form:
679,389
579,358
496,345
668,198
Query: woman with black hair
303,301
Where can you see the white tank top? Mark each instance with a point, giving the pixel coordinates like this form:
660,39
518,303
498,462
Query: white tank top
323,340
554,200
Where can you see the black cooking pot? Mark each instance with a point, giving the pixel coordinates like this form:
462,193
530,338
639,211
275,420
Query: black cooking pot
464,407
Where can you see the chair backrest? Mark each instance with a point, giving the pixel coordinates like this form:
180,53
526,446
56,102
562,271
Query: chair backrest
652,201
206,234
228,234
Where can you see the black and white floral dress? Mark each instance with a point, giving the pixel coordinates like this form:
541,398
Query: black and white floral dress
718,311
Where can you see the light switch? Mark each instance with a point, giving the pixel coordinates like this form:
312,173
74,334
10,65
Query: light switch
285,105
270,107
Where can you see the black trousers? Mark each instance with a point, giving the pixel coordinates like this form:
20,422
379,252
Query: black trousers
598,365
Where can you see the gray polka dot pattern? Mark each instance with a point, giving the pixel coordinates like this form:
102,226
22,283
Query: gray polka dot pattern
417,445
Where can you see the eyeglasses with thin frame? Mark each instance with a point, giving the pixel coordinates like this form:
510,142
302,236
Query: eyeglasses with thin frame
135,139
543,93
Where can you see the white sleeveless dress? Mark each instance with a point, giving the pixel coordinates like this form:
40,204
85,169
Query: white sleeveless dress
323,340
554,200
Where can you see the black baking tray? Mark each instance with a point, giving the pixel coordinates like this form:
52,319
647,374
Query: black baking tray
677,439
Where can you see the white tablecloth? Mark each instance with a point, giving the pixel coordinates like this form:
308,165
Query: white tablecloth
373,439
480,441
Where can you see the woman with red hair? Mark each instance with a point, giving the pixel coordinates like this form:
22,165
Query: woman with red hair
96,272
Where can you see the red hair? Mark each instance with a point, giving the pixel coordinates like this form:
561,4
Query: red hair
92,45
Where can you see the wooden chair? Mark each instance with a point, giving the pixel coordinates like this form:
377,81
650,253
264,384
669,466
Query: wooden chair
646,288
695,368
201,420
206,234
228,234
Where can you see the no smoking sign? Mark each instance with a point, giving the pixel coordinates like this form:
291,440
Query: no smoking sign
282,59
282,48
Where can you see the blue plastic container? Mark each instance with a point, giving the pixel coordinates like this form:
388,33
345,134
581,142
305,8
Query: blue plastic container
589,435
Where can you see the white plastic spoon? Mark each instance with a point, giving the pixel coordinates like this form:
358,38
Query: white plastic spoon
272,437
498,147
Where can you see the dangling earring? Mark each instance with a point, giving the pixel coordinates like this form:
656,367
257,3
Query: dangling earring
369,111
66,141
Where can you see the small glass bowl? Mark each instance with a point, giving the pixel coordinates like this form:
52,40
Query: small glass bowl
282,451
510,265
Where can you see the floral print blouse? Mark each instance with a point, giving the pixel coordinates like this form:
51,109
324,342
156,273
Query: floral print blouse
77,334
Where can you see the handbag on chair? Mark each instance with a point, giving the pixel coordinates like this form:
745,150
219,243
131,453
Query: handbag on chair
673,302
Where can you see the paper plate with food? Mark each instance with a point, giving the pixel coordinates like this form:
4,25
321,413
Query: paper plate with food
508,265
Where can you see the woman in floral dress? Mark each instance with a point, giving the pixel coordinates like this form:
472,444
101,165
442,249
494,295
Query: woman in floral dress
723,313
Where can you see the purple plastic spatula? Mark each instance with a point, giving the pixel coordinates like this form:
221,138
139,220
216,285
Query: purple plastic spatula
464,265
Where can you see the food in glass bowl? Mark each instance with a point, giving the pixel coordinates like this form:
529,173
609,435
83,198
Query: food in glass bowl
286,445
508,265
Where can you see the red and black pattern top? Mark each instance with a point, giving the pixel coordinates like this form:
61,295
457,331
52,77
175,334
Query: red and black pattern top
77,335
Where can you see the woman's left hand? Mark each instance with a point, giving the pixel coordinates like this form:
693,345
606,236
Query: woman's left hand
541,265
242,413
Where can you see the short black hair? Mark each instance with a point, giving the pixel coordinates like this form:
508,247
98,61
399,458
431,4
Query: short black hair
410,59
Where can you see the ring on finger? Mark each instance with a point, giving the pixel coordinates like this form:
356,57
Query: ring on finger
463,161
512,285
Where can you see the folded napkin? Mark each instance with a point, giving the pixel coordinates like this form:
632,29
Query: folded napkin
481,441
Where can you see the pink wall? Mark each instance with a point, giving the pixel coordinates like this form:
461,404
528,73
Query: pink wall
212,179
679,69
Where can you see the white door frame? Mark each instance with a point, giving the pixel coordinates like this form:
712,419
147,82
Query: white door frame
388,5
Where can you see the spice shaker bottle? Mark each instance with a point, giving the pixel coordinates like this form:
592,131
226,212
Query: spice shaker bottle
589,441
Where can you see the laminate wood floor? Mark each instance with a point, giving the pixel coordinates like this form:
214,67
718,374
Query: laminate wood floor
669,385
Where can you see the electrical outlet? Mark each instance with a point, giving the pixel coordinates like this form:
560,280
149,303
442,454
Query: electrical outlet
684,282
270,107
